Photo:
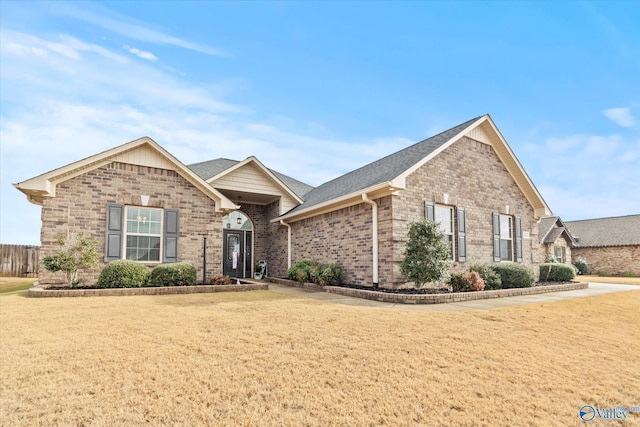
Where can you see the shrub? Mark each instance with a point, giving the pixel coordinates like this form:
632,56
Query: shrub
515,275
314,272
74,254
551,258
491,279
581,265
603,273
629,274
219,280
554,272
466,282
123,274
301,270
426,255
330,274
173,274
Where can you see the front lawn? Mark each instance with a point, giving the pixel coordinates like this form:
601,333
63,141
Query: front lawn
604,279
14,284
263,359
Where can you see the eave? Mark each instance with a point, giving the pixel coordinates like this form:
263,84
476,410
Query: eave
375,192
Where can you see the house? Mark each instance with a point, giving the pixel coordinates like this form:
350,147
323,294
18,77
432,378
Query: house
555,240
609,245
142,203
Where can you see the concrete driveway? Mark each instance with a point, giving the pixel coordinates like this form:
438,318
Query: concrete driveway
487,304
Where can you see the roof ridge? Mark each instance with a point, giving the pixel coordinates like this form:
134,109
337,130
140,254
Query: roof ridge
212,160
603,218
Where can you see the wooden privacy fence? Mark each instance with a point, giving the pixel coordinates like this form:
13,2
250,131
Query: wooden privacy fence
19,261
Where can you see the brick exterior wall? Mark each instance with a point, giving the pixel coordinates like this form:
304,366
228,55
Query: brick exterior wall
269,240
468,171
614,260
548,248
276,243
473,176
80,207
342,237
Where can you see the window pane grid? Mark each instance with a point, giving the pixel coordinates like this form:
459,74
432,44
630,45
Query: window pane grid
144,232
506,238
444,217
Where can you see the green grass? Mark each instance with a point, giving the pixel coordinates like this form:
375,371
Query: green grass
15,284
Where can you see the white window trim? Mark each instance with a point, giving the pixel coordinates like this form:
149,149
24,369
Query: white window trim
511,237
127,234
453,226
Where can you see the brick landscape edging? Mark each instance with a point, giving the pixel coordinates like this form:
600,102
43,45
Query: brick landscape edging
167,290
435,298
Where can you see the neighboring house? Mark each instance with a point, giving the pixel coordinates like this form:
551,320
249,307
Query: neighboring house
142,203
609,245
555,240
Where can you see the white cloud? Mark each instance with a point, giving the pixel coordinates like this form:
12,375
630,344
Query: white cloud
67,106
141,54
128,27
621,116
587,176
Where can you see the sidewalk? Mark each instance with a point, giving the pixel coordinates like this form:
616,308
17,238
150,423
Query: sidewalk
487,304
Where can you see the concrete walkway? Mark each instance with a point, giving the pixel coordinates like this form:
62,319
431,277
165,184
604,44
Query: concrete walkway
487,304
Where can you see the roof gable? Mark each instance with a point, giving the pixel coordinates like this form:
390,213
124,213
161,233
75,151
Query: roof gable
211,169
143,152
552,227
614,231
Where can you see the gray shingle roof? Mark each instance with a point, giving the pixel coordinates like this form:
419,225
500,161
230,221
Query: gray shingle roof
211,168
544,227
380,171
554,234
615,231
548,232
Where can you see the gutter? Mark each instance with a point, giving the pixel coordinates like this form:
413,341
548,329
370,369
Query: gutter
346,200
288,243
374,220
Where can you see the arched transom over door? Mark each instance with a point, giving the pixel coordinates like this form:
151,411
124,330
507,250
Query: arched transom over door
237,247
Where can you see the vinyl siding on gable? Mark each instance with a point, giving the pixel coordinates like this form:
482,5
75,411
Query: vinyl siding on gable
250,179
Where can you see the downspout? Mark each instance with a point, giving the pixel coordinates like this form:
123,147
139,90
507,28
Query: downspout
288,243
374,219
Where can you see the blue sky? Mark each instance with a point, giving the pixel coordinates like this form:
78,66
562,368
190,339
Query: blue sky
316,89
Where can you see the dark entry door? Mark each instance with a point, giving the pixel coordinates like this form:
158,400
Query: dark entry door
237,253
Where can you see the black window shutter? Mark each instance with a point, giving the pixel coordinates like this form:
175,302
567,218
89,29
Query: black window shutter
114,232
462,235
496,237
171,223
429,211
518,239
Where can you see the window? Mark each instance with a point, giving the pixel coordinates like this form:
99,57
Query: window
506,238
143,234
444,216
560,254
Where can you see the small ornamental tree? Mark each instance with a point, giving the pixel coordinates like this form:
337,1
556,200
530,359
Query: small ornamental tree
76,253
426,255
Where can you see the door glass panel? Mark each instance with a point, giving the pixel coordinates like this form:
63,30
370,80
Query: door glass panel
233,245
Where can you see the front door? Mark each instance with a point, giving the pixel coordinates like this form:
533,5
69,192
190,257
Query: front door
237,253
